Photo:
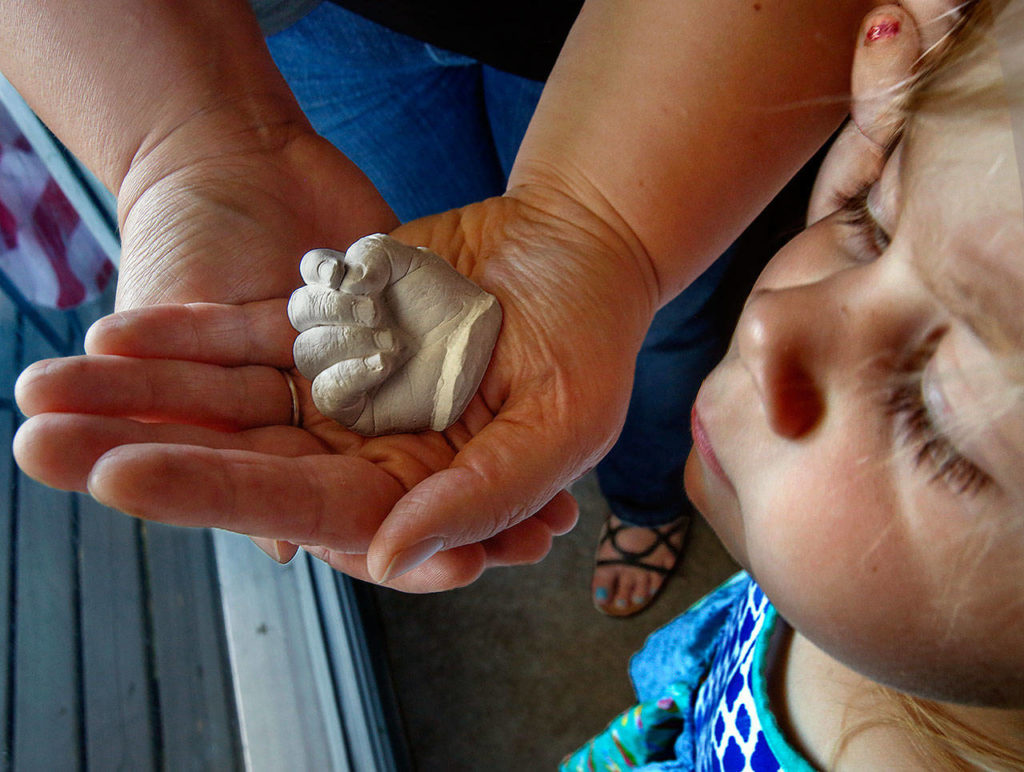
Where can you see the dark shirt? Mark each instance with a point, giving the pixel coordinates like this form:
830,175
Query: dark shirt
522,37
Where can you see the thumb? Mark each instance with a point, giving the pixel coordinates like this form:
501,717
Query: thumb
883,65
505,474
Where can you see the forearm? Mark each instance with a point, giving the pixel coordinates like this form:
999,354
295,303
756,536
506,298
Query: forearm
178,108
676,122
117,77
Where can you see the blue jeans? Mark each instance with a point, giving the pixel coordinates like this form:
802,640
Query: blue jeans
434,130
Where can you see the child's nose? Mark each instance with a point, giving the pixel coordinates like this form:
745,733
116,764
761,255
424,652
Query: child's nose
779,343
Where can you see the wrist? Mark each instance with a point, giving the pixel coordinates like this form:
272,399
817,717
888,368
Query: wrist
206,140
609,246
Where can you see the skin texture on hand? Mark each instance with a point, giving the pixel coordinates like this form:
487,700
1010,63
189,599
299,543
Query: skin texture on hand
221,182
391,336
180,414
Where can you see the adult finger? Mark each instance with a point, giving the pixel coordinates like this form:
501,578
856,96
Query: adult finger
447,570
561,513
157,389
334,501
530,541
507,472
229,335
853,156
883,63
524,543
60,449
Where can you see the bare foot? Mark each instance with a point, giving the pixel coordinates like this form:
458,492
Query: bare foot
633,562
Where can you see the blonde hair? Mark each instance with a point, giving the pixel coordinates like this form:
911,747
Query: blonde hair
941,739
938,738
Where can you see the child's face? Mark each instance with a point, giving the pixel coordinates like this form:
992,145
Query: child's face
861,447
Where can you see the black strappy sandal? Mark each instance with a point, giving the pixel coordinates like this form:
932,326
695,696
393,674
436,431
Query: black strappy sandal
636,559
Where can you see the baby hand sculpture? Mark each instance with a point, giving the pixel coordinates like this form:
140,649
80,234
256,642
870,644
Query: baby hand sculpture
393,338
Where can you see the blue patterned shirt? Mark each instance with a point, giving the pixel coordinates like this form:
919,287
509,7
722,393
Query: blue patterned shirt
702,685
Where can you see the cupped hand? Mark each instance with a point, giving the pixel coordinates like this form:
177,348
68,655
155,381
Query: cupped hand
180,412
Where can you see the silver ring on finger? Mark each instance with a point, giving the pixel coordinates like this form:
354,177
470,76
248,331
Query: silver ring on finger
294,390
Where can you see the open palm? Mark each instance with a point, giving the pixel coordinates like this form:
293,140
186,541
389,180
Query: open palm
181,412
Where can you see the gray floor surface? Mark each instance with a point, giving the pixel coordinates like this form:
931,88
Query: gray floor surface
518,669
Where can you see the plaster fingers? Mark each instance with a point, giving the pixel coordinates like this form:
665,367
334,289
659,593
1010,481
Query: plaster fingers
342,391
314,305
367,266
321,347
377,261
883,65
323,267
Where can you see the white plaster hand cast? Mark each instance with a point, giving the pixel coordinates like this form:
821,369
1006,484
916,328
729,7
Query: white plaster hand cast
393,338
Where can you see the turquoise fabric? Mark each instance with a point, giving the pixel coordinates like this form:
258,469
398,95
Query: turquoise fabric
644,733
789,758
702,684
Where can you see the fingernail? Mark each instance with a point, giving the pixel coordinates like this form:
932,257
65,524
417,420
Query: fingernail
365,311
331,272
408,559
384,339
883,30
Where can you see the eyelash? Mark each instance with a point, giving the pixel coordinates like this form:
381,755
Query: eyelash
855,212
930,447
905,402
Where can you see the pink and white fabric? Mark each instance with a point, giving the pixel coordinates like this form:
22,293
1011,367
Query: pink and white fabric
45,249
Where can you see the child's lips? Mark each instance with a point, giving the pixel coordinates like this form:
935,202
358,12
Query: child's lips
702,443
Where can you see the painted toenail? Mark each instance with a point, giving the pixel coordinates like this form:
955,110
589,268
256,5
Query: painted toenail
601,594
638,599
621,603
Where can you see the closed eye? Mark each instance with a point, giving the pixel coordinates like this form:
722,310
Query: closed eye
930,448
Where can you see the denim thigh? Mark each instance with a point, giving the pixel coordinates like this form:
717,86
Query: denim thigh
432,129
642,475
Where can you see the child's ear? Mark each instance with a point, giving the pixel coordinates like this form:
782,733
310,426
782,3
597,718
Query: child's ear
888,45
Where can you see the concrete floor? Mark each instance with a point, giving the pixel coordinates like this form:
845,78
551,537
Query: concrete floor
518,669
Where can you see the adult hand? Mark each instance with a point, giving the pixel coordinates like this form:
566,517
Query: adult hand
148,430
225,224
